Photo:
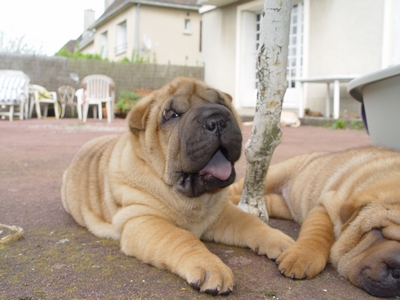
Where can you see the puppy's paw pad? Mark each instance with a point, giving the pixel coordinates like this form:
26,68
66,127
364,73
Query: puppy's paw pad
215,279
227,292
300,264
195,285
275,245
213,292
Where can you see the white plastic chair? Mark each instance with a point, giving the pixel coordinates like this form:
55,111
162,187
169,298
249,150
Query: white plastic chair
42,96
98,89
67,94
14,92
79,104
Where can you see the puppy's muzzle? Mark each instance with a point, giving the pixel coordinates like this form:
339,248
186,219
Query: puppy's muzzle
205,130
210,144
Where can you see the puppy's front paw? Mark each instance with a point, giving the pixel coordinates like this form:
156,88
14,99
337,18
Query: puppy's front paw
301,262
273,244
211,276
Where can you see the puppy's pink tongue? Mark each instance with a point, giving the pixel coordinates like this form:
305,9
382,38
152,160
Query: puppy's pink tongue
218,166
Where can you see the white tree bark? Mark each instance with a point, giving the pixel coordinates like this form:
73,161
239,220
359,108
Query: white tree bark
266,133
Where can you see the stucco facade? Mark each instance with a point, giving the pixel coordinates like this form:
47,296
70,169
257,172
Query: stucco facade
345,37
334,37
146,31
219,51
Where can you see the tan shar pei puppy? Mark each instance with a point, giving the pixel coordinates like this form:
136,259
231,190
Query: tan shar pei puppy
348,205
160,188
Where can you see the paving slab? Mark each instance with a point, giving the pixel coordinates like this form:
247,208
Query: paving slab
58,259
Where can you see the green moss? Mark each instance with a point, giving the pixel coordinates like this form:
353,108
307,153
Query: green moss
339,124
347,124
271,294
358,125
43,253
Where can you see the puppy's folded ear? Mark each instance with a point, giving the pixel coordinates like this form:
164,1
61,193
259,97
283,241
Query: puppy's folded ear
349,211
392,231
352,207
138,115
228,96
387,191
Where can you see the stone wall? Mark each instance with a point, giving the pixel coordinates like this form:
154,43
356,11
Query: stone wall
53,72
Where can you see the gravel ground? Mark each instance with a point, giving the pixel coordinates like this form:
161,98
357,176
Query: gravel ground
57,259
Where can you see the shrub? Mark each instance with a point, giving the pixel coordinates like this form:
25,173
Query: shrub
78,55
126,100
339,124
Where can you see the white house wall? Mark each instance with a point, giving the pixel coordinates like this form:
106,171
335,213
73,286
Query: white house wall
391,33
340,37
90,48
347,41
224,55
111,28
219,51
169,45
246,55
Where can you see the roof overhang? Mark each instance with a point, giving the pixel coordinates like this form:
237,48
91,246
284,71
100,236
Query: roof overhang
125,5
216,3
86,42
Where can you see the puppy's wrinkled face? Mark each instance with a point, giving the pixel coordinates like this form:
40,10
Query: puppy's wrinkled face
379,271
192,134
372,259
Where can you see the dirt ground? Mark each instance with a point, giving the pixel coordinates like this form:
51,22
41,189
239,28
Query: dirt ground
57,259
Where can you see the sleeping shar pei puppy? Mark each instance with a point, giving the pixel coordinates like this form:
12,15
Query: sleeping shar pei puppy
160,188
348,205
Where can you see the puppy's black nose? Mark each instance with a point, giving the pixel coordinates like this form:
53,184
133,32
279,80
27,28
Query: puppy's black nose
216,124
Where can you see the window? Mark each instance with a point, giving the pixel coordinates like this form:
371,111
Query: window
121,39
104,45
258,19
186,29
295,51
295,48
201,33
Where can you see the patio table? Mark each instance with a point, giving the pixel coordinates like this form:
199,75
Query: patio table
336,80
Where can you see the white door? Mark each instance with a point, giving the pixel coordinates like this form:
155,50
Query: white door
295,57
250,36
248,84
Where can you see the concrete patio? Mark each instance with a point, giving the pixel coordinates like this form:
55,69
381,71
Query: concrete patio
57,259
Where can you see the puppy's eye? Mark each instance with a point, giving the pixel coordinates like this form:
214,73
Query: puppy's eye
169,114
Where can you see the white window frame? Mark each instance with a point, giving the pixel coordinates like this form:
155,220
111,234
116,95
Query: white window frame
122,43
186,27
243,84
296,41
104,44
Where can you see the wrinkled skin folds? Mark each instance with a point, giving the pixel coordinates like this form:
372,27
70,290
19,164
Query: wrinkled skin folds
161,187
348,205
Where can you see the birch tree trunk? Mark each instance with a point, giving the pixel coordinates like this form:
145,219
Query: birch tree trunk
266,133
